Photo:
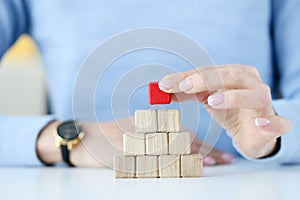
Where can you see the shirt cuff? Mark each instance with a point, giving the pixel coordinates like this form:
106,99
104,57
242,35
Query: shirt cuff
18,136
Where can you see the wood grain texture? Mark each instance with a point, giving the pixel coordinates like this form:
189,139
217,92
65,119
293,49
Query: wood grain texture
157,143
145,121
191,165
168,120
180,143
169,166
134,144
146,167
124,167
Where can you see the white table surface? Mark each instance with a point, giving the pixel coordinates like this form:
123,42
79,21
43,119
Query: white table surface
241,180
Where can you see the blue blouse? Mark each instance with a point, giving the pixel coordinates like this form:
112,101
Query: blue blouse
263,33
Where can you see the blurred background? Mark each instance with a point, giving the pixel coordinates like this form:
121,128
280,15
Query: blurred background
22,83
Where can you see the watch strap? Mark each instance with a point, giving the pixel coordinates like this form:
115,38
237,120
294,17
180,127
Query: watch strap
66,155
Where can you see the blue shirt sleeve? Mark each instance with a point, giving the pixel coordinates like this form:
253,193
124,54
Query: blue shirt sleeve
18,135
286,33
287,49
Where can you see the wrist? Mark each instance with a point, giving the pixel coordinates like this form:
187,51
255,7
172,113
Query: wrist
83,154
78,154
46,150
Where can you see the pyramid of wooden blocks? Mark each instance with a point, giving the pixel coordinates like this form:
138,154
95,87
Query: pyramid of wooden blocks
157,148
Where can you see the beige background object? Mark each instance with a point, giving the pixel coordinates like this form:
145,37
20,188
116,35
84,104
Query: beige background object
22,80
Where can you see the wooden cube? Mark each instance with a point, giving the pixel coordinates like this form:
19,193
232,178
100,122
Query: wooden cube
146,167
157,143
145,121
180,143
169,166
124,167
168,120
134,144
191,165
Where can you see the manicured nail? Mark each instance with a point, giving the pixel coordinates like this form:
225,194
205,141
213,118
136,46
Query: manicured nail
261,122
228,157
186,85
208,160
215,99
166,84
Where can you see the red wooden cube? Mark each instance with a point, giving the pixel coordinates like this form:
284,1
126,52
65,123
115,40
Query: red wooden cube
157,96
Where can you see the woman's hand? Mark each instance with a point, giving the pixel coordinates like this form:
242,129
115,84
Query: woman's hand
103,141
238,99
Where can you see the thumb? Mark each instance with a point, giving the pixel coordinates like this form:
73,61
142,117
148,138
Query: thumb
275,124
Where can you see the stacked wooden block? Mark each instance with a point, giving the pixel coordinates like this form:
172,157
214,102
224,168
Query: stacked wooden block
157,148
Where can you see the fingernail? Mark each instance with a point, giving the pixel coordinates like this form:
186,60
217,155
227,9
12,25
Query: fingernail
228,157
208,160
215,99
261,122
166,84
186,85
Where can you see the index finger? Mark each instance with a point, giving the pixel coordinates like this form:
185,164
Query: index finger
170,82
211,78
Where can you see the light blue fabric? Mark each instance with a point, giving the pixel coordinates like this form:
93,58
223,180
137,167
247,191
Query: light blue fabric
259,33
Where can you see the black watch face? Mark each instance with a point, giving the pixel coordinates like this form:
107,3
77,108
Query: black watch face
68,131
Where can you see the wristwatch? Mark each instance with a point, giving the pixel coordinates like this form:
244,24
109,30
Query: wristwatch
68,134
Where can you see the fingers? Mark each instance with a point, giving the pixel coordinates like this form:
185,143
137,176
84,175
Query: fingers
214,157
233,87
243,98
273,126
220,159
179,97
211,78
223,78
170,82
